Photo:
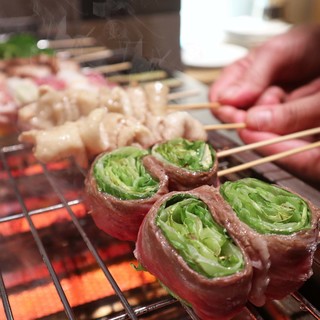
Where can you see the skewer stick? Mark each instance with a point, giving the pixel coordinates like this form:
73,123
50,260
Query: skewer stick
172,83
222,126
139,77
204,105
103,54
113,67
183,94
70,52
278,156
65,43
259,144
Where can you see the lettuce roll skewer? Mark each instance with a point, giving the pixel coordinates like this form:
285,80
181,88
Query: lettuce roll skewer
183,243
121,187
189,164
281,234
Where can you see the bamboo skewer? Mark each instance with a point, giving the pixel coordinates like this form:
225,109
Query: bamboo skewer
139,77
274,157
259,144
183,94
223,126
66,43
71,52
113,67
203,105
103,54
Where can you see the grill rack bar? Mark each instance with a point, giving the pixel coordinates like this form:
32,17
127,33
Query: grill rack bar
39,243
5,300
130,312
90,246
305,304
39,211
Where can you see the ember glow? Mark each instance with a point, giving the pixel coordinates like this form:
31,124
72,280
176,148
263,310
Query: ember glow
43,300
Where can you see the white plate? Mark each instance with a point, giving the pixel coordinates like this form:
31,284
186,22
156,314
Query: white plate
250,31
215,56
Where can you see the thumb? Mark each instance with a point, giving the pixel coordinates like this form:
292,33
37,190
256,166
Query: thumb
286,118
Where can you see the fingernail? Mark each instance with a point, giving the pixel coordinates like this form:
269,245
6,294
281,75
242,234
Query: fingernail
260,120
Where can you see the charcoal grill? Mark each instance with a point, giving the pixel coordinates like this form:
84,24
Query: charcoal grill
56,264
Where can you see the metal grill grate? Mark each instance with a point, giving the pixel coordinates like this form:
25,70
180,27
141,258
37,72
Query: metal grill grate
295,306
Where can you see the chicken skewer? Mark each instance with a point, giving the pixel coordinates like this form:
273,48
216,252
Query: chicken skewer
54,107
131,103
102,130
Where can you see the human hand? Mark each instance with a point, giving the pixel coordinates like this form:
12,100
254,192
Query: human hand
267,72
270,102
297,113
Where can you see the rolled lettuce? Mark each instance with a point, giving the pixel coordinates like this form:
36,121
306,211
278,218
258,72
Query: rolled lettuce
267,208
121,187
183,244
189,227
279,230
122,174
188,164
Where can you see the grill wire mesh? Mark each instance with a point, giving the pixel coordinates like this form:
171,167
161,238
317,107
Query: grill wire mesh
56,264
68,197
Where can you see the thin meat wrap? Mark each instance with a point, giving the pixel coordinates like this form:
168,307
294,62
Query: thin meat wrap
188,164
182,243
279,230
121,187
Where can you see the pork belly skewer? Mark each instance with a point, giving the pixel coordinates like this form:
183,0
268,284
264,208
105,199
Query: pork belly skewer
121,187
279,230
183,243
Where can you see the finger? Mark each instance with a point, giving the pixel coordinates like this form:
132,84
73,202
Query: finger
281,59
258,72
228,77
229,114
305,165
286,118
306,90
273,95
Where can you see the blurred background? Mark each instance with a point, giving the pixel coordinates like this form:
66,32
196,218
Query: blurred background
198,37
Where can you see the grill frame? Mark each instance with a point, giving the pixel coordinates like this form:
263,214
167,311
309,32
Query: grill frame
268,172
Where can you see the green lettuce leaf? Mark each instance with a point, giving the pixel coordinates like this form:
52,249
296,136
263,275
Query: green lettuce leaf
205,246
266,208
189,155
121,173
21,46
